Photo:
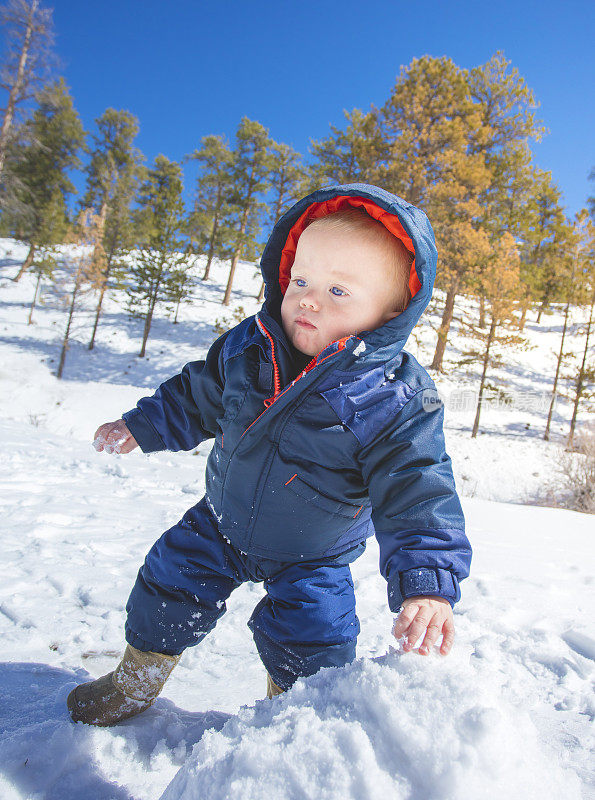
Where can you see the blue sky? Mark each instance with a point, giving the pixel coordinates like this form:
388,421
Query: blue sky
187,68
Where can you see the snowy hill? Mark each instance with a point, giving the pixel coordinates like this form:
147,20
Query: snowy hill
508,713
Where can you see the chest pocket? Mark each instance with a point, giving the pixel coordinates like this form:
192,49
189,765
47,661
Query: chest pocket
315,498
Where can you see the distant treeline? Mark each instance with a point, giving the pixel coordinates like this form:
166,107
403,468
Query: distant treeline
453,141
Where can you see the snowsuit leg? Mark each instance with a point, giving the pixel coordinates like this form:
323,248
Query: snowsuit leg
180,590
306,621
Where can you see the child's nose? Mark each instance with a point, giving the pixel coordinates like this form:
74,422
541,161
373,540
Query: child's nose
309,301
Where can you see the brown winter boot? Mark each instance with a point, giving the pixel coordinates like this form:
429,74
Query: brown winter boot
272,689
131,688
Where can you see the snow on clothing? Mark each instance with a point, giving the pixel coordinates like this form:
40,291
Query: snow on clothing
304,468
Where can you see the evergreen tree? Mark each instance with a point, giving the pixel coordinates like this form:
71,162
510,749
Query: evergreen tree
43,267
584,376
347,156
55,229
569,258
53,139
546,233
505,104
86,268
179,287
156,267
113,175
286,177
209,225
500,286
251,169
27,60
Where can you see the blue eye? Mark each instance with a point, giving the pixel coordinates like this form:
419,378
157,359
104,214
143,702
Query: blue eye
300,281
336,290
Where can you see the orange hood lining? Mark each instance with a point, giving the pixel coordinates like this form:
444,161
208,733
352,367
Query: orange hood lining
340,203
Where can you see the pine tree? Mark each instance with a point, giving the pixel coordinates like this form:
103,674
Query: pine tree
506,121
178,288
54,138
347,156
286,177
113,175
86,270
209,224
500,286
45,261
431,129
584,376
506,105
153,269
27,59
567,258
545,228
251,179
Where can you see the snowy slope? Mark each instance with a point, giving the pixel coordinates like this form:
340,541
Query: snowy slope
508,713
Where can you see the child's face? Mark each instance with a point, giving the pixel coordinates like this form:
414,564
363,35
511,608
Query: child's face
339,285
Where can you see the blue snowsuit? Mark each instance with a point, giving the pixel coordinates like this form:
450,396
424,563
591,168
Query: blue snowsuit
308,461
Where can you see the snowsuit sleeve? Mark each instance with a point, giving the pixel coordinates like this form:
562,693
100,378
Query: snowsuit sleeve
184,410
416,511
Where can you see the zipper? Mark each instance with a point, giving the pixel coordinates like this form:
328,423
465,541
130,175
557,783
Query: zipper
277,393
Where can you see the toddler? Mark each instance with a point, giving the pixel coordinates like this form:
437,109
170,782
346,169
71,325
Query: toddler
326,431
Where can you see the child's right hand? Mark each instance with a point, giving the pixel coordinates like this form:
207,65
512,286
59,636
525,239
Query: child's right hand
114,437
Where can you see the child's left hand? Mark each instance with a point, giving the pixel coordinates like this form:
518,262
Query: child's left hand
419,613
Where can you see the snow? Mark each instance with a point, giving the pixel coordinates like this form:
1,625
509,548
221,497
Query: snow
508,713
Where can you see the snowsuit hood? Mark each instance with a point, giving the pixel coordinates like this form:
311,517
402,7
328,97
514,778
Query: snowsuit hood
403,220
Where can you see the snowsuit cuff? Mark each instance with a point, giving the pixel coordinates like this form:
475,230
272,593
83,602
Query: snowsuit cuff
422,581
145,434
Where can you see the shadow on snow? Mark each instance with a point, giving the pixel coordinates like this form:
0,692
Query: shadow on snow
42,752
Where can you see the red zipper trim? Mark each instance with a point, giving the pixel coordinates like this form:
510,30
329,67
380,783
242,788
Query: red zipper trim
270,400
277,381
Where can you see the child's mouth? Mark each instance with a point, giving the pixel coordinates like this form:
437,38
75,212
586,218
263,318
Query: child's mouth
304,323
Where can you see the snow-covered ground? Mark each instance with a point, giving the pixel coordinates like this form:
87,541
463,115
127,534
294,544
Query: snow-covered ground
508,714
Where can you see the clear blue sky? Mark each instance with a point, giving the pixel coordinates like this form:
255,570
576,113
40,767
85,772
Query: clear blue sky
187,68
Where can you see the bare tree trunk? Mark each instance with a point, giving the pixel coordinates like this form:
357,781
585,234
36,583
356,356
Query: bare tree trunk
211,246
546,435
581,376
260,297
98,313
17,86
236,255
483,376
482,312
106,274
148,321
100,301
26,263
30,320
67,332
543,306
447,316
523,319
176,314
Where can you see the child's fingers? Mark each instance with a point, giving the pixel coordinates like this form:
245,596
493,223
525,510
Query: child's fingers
127,445
432,633
114,437
417,627
404,620
448,637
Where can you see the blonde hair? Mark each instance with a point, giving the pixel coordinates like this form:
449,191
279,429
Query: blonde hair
399,258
